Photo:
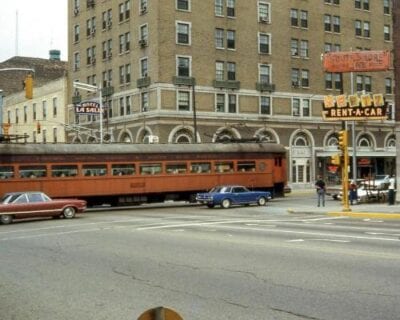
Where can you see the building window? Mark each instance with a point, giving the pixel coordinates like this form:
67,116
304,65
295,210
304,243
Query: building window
294,47
366,29
329,47
294,17
55,135
363,83
219,8
220,102
264,44
388,86
25,114
231,69
219,71
230,8
144,67
327,22
121,106
16,115
183,5
336,24
264,12
232,103
33,111
44,109
264,71
77,61
304,19
183,66
143,6
183,100
300,107
304,48
305,78
386,6
219,38
128,104
386,33
328,81
121,74
144,32
265,105
124,10
55,106
230,39
295,76
357,27
76,33
182,33
145,101
91,26
106,19
338,81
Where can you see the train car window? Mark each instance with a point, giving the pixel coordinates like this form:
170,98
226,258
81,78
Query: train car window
64,170
6,172
200,167
32,171
123,169
223,167
262,166
91,170
176,168
150,168
246,166
278,162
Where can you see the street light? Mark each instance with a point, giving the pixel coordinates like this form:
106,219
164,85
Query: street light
92,88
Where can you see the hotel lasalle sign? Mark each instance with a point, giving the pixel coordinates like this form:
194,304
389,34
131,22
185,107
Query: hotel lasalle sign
355,107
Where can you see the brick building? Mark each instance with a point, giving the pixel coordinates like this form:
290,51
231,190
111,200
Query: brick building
188,71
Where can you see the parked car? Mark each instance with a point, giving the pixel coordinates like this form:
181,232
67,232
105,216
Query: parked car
380,181
365,193
19,205
335,190
228,195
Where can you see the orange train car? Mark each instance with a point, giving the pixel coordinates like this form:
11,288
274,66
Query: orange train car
119,174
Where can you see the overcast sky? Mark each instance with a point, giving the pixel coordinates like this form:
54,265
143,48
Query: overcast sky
42,26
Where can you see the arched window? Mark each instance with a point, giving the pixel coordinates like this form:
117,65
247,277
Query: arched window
364,141
301,140
332,141
183,136
391,142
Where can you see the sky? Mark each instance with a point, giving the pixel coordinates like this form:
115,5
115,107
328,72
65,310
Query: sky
42,26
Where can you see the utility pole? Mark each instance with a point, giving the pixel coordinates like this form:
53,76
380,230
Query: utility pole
396,63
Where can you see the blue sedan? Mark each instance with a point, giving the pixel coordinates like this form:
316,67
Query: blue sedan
225,196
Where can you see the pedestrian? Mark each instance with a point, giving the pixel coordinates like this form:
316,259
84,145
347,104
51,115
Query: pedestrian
391,193
320,187
353,192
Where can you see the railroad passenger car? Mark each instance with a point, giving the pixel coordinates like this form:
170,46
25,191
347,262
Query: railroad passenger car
118,174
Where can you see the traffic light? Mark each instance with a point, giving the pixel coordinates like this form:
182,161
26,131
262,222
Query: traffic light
335,159
38,129
343,140
28,83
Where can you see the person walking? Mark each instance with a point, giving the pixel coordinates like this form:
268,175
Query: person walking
320,187
392,183
353,192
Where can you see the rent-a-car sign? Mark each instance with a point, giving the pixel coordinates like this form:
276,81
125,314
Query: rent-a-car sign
354,107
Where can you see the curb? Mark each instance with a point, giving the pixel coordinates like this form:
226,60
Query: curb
379,215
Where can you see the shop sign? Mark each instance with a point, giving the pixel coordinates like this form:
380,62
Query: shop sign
357,61
354,107
88,107
333,169
364,162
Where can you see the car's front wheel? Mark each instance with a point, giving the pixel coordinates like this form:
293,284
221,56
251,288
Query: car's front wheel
69,212
262,201
6,218
226,203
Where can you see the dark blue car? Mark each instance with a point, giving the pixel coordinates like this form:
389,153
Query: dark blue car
225,196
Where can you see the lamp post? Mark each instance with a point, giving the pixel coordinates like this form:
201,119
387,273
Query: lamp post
92,88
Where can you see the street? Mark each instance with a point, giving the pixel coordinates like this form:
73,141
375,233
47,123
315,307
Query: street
241,263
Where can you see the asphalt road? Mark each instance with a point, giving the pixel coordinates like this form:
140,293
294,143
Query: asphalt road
241,263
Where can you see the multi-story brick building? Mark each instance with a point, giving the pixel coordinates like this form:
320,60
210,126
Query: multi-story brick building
201,71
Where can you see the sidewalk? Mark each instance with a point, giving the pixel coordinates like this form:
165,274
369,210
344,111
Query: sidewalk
335,207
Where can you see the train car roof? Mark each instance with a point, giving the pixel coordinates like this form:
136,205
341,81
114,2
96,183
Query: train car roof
122,148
